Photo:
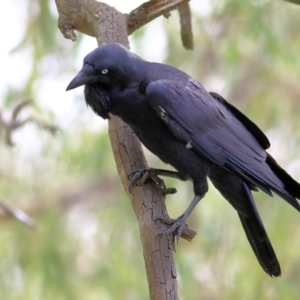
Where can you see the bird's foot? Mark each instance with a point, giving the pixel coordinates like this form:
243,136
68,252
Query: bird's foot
177,226
138,177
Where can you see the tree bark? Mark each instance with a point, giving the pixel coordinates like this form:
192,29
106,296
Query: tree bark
109,25
150,10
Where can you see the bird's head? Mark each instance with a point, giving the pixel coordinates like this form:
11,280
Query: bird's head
108,65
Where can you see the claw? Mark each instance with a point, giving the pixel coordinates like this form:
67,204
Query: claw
167,221
187,233
138,177
177,226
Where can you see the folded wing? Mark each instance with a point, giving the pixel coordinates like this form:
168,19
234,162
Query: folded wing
217,131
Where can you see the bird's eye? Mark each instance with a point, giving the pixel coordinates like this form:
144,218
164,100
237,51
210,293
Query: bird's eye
104,71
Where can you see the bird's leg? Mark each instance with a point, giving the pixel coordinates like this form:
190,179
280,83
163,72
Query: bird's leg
179,224
138,177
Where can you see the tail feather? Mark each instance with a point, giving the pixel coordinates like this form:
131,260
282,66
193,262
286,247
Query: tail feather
258,237
270,177
237,192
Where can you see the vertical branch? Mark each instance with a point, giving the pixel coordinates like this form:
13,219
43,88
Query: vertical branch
108,26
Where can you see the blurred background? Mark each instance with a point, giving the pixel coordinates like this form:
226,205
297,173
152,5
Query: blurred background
86,242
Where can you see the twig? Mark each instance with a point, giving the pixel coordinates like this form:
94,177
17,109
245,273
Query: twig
10,121
186,31
18,214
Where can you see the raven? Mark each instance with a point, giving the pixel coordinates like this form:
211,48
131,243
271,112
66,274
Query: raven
199,133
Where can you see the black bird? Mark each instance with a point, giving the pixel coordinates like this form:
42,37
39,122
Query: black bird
198,133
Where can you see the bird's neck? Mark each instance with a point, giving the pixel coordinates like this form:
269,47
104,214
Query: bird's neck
98,99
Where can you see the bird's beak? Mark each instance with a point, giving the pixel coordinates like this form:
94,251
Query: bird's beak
86,75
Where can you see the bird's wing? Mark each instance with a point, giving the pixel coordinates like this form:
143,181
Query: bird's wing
207,125
252,127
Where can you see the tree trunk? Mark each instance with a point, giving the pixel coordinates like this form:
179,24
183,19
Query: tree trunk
109,25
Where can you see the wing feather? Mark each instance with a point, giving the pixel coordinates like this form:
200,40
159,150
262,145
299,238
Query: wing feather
216,131
211,127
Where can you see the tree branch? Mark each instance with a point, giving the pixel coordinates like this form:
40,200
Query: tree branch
92,18
84,16
108,26
9,121
293,1
150,10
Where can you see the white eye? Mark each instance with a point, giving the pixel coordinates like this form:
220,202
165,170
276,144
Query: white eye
104,71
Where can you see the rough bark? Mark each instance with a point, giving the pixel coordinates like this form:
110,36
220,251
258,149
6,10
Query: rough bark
150,10
108,25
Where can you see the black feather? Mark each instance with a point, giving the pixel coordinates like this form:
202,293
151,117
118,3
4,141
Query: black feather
252,127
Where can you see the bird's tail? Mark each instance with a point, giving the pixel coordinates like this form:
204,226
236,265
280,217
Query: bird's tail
258,237
237,192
